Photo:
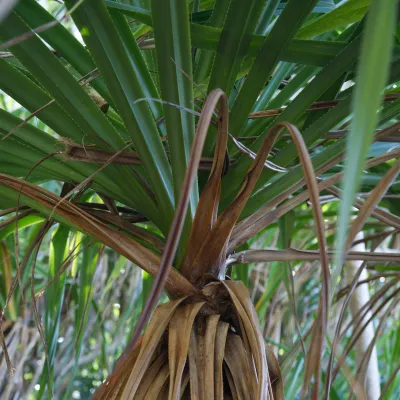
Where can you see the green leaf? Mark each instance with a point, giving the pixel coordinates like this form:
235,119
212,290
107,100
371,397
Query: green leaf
132,11
233,43
372,75
76,102
312,52
281,72
348,12
204,58
33,97
115,273
61,40
87,269
54,297
296,109
138,63
242,272
60,84
295,175
113,62
283,31
172,34
298,82
266,16
147,282
22,223
90,254
174,59
275,276
34,145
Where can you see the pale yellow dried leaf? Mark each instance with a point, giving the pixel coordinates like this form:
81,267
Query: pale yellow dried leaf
158,323
185,382
207,209
237,362
178,344
220,341
157,385
151,375
251,328
195,379
372,201
231,383
209,355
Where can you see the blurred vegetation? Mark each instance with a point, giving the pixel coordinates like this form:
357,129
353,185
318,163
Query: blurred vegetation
88,296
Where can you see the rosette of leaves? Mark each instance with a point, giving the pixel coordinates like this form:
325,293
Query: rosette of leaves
209,345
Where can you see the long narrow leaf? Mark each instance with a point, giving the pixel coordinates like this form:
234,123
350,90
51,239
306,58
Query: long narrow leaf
372,77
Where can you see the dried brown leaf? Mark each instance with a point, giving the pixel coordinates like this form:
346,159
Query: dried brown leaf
220,342
75,152
118,241
252,336
157,389
250,256
380,214
196,391
112,387
318,105
151,338
209,355
266,215
231,383
207,208
178,344
275,374
214,246
371,202
138,232
150,376
238,364
6,266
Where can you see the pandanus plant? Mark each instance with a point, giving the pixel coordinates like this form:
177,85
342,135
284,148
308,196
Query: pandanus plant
117,123
209,343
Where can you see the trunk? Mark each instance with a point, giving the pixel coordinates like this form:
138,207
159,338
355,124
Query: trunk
370,378
187,353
